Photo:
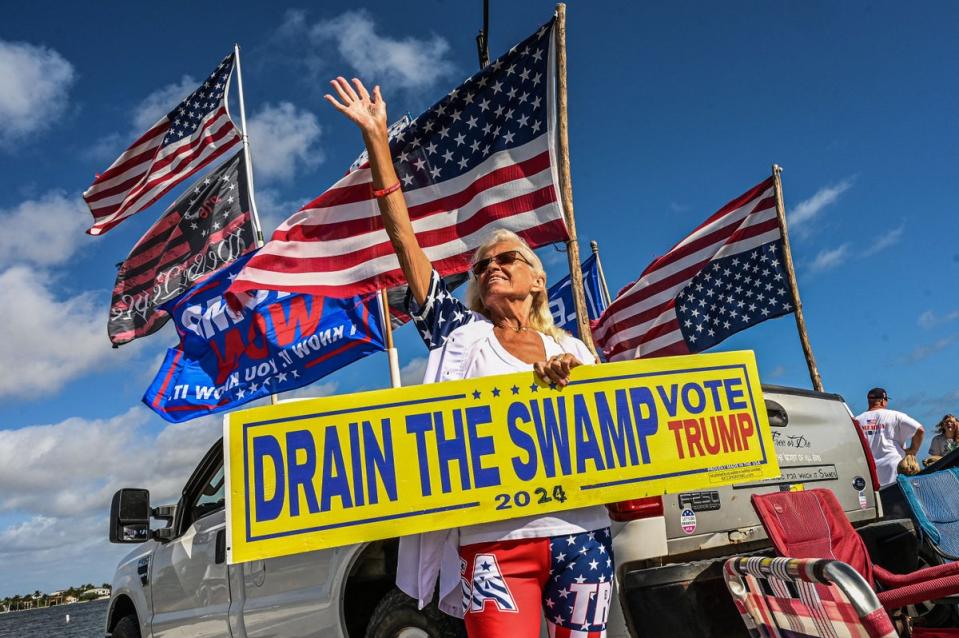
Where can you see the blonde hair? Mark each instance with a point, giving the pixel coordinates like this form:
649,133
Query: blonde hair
941,428
540,318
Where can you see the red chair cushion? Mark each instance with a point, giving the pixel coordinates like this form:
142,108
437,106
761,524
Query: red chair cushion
812,524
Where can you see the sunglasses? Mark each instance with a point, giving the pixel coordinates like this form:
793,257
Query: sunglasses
503,259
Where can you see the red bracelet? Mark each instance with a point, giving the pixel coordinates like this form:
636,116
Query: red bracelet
386,191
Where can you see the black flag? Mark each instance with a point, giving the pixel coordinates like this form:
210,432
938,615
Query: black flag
206,228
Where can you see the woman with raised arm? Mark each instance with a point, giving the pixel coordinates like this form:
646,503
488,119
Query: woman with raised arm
512,571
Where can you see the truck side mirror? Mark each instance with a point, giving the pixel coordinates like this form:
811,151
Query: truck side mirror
130,516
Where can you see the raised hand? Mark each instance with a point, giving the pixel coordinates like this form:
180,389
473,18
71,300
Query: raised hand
366,111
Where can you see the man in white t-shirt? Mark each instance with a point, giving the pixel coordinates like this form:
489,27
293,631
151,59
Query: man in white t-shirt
888,431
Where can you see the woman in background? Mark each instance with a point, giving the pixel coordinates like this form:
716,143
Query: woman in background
946,439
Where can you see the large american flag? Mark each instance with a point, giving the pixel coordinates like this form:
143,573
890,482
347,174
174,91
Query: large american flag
725,276
481,159
193,134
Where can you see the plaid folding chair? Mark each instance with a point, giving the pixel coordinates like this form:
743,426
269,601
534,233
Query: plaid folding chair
812,524
803,597
934,501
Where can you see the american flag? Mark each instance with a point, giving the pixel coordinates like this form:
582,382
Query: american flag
206,228
481,159
726,276
193,134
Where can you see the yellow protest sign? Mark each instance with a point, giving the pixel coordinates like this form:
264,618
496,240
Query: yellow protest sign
320,473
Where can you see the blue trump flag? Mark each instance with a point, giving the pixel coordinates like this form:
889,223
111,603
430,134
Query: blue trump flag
277,341
561,298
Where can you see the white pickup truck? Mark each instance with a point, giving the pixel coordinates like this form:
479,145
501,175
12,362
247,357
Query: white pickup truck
668,550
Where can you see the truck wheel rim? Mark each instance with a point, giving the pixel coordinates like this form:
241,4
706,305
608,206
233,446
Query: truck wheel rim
412,632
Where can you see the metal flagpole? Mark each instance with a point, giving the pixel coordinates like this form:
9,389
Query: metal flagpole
258,229
565,182
602,276
793,284
391,352
254,215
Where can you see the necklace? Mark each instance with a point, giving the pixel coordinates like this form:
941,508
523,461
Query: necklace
510,327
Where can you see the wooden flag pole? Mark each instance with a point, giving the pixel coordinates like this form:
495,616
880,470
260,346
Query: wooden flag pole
391,353
594,245
793,284
482,38
566,184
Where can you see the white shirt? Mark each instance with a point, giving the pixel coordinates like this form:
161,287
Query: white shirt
463,346
491,358
887,432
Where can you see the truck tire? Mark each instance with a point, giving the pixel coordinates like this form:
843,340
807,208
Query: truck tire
396,616
126,627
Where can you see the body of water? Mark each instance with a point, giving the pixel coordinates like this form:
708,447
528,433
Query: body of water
86,621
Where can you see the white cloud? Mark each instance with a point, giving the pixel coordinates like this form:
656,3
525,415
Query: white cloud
75,466
930,319
809,209
313,391
924,351
157,104
412,373
282,139
406,63
45,231
274,208
47,341
34,86
828,259
144,115
776,372
58,482
891,238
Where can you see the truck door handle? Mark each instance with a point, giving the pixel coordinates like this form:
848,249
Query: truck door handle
778,417
220,552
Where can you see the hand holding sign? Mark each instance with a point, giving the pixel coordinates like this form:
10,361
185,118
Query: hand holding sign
556,369
340,470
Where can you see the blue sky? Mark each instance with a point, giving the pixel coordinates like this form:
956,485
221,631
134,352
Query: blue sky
674,110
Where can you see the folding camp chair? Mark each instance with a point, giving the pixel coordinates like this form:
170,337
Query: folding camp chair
812,524
803,597
934,501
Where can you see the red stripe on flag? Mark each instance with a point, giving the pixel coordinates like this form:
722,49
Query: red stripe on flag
427,239
536,236
158,131
353,227
166,381
637,305
101,227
